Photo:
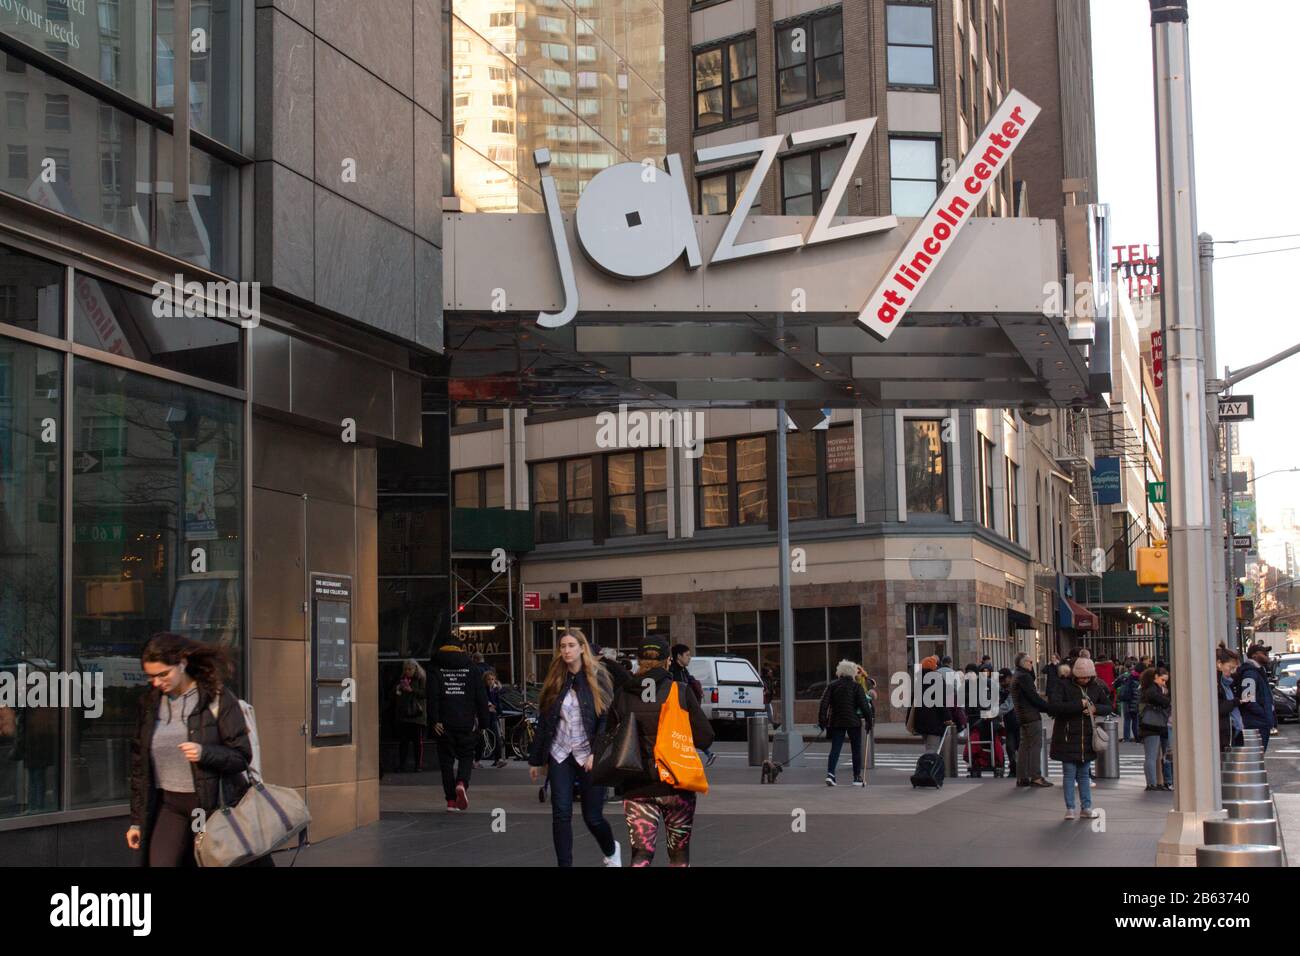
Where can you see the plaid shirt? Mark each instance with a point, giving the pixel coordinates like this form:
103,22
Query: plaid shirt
570,737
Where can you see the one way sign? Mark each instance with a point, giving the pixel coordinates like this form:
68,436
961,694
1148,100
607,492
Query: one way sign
1237,408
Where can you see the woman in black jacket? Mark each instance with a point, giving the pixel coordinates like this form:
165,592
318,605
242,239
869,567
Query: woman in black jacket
841,710
570,713
1229,716
934,708
183,756
1075,704
650,803
1155,709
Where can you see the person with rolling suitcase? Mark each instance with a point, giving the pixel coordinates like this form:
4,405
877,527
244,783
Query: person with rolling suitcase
933,717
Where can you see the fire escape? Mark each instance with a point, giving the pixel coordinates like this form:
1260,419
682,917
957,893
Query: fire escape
1075,455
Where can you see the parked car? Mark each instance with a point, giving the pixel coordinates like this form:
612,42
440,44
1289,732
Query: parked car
1284,699
733,691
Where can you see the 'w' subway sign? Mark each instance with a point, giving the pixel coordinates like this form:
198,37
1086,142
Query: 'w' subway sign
950,212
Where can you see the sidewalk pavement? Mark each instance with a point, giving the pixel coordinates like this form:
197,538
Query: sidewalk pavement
799,821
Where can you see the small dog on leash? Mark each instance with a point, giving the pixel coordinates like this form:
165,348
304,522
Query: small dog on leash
771,770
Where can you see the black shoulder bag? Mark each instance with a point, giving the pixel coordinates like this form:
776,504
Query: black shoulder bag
617,753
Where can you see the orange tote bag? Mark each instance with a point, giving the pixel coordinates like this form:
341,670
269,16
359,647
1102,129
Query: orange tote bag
676,758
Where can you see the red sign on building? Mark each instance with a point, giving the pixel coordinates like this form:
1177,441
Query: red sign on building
1158,358
532,600
1139,267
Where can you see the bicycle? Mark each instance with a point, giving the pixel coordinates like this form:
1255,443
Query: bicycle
521,737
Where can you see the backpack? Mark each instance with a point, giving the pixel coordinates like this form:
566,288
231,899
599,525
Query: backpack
250,720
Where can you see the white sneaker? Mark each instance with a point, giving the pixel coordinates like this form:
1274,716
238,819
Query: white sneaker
1090,814
617,858
1071,814
830,781
859,783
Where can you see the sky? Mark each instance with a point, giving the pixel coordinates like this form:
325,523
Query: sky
1244,80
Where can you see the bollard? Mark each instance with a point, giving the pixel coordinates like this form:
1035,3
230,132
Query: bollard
1246,791
1241,832
1238,762
756,727
1250,809
1248,855
1108,759
948,750
1245,776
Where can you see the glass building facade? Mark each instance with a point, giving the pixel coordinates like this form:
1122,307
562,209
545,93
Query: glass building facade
583,78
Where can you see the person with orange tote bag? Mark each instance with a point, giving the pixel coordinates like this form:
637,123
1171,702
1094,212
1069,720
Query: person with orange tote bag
671,726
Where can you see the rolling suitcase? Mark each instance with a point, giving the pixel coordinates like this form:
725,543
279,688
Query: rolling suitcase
929,768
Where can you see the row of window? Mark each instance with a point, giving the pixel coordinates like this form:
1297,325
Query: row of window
809,62
806,178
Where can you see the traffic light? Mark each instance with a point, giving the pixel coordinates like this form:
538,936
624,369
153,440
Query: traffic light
1245,610
1153,566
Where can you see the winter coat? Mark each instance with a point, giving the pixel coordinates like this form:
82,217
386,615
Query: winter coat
1072,729
631,701
1029,704
457,696
1128,687
219,771
1227,704
548,720
1255,696
1157,698
931,719
412,705
844,704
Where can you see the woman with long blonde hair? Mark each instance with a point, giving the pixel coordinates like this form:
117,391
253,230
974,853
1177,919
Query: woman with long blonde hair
570,713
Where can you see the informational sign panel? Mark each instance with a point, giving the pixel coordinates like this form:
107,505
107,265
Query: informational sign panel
1105,481
839,450
532,600
331,658
1237,408
1158,358
1157,492
1242,542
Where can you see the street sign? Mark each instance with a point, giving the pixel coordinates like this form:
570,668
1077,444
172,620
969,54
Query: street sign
1237,408
1157,491
1242,542
87,463
532,600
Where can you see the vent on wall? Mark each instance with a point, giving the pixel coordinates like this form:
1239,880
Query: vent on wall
595,592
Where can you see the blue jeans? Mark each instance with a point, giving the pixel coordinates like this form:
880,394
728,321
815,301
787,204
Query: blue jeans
855,745
562,777
1156,747
1077,773
1130,722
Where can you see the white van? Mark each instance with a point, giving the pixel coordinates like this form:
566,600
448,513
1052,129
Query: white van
733,691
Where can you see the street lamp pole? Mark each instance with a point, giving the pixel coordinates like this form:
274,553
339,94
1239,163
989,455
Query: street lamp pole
1186,448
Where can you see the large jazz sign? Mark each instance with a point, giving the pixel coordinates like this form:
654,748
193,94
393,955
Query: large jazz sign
634,220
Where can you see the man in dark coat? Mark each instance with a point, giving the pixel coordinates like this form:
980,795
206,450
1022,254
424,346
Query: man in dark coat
1029,707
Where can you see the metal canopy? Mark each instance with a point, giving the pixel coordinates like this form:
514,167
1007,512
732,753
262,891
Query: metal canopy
978,335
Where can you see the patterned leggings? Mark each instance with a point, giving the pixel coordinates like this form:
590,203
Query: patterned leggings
644,816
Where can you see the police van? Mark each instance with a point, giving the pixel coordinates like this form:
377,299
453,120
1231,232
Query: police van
733,691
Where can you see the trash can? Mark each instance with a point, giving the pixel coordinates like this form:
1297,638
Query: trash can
1108,759
756,726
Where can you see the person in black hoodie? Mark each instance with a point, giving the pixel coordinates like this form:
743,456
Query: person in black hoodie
570,713
841,710
458,705
649,803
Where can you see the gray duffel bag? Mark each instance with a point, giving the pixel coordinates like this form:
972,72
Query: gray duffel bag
266,819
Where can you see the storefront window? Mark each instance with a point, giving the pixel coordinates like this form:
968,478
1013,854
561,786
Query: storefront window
31,293
204,230
31,392
157,510
823,637
841,489
215,65
801,474
117,320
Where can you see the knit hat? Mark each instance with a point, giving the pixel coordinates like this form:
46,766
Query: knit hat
1084,667
930,663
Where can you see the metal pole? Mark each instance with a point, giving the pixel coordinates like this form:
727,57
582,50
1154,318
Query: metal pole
1218,479
787,743
1186,447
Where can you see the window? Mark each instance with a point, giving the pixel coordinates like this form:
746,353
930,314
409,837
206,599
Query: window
732,482
824,636
841,488
562,500
807,177
464,415
17,162
913,175
804,498
726,82
637,485
925,465
809,58
1013,500
56,112
16,110
483,488
985,479
909,31
995,637
719,192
